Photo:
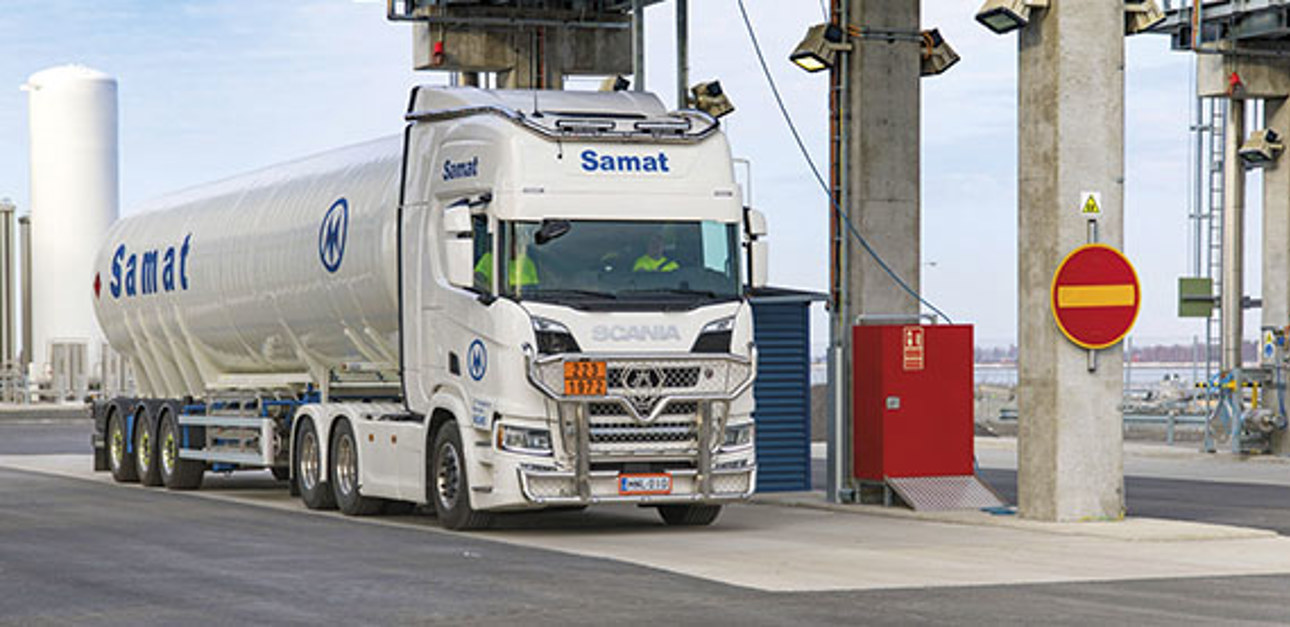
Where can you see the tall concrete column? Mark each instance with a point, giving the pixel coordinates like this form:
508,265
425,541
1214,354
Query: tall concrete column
1071,136
1276,235
879,102
881,117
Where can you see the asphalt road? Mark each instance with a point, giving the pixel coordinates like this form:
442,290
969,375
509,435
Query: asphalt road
77,552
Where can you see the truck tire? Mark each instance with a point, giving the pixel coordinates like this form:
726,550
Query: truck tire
176,473
120,461
344,474
145,447
689,515
314,492
449,487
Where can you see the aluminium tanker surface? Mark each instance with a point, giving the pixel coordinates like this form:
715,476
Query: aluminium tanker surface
526,300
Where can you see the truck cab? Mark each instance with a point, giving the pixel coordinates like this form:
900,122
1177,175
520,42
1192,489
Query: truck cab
574,301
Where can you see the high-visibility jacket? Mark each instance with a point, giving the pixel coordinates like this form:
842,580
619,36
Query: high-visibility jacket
523,271
646,263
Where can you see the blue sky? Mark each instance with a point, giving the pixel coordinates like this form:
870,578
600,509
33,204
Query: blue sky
210,88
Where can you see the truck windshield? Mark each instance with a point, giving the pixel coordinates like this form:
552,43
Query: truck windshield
619,263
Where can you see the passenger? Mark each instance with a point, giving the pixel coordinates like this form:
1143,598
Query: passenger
654,260
523,271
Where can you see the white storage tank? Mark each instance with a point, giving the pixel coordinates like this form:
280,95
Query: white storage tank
74,199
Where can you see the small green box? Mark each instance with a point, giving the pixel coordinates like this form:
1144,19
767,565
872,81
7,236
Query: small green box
1195,297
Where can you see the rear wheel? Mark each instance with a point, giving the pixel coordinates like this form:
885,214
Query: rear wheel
344,474
176,473
315,492
145,448
449,485
120,462
689,515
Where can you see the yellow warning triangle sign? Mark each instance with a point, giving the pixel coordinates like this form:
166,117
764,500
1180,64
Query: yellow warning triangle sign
1090,206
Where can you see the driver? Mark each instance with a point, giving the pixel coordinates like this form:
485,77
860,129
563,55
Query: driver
523,272
654,260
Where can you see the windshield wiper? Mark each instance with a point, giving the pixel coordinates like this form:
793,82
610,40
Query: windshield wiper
566,292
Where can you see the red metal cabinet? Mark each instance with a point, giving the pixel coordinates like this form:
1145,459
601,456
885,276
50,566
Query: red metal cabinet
913,401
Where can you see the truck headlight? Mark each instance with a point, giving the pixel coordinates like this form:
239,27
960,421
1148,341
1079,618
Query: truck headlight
715,336
521,440
553,338
738,436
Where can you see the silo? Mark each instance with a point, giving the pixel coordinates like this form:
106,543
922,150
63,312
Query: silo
73,124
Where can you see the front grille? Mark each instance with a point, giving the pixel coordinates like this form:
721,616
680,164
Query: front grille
631,432
654,377
610,408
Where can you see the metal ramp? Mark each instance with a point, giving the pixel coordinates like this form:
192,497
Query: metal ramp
943,494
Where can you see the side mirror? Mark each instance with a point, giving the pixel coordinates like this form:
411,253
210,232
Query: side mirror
459,247
758,251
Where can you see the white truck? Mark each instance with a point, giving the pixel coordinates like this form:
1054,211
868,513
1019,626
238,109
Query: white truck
528,300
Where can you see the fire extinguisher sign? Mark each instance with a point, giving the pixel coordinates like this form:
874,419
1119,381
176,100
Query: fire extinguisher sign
913,357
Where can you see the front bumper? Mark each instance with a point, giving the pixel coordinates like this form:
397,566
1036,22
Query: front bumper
546,487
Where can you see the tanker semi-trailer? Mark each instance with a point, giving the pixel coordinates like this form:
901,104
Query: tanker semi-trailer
527,300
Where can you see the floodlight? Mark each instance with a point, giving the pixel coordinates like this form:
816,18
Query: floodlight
1141,16
1005,16
819,48
1261,149
711,99
615,83
938,56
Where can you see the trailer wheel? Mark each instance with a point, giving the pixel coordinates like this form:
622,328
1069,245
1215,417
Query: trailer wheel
344,474
689,515
449,485
315,492
145,448
120,462
176,473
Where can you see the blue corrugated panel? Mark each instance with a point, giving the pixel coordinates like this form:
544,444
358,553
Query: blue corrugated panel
783,393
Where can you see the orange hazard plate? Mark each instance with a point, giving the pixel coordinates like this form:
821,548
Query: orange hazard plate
585,378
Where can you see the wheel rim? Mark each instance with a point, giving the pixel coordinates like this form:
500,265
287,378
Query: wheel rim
309,460
169,448
144,447
448,474
117,447
346,464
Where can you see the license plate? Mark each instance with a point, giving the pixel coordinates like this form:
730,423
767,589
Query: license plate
644,484
585,378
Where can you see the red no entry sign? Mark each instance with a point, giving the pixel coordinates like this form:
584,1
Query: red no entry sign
1095,296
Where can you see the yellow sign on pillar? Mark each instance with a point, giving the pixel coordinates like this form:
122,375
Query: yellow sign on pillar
1090,204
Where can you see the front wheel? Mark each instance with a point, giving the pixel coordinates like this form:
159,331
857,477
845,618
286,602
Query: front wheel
689,515
450,489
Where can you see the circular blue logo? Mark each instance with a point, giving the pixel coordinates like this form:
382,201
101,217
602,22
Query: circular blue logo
477,360
332,235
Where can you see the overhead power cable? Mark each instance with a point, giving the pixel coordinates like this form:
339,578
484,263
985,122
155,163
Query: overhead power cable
806,154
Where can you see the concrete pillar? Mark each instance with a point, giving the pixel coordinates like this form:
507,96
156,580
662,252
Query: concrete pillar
1276,236
1071,137
638,45
878,163
881,117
